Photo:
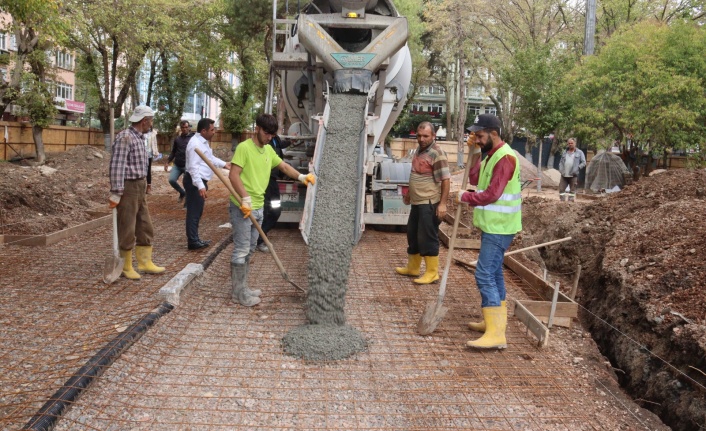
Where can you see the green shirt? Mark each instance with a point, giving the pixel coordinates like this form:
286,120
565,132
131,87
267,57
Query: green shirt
256,163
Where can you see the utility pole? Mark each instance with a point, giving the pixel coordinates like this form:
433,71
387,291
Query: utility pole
589,37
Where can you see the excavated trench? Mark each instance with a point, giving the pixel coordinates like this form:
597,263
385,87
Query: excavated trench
641,286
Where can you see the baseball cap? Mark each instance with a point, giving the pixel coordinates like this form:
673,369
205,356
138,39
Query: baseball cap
141,112
485,121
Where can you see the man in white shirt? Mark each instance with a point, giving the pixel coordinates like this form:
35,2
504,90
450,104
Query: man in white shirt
196,180
572,161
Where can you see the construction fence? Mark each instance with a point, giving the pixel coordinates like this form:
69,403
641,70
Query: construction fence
18,143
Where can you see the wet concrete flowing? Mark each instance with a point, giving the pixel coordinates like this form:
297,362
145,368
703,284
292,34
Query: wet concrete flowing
331,238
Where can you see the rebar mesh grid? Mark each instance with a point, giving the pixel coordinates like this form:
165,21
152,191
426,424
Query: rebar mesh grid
213,365
56,313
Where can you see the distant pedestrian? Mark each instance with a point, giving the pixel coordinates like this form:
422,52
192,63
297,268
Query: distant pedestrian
152,154
429,183
196,178
128,187
273,202
572,161
178,156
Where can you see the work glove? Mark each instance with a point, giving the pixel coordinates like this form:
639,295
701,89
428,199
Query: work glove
307,179
246,206
113,200
459,196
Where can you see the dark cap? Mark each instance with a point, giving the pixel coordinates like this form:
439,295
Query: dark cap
485,121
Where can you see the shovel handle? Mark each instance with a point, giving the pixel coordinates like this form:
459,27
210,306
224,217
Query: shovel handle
115,231
532,247
229,186
452,241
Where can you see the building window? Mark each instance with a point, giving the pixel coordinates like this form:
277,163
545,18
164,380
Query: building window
473,111
417,107
491,110
436,90
436,107
64,60
3,41
65,91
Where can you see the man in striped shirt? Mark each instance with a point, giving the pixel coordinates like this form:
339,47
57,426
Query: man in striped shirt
128,187
428,190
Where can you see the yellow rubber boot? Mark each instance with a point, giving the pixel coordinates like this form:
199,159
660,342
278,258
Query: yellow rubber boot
128,271
480,326
144,260
414,261
432,273
494,336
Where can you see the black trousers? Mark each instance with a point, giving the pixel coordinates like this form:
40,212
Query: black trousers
271,214
423,230
194,209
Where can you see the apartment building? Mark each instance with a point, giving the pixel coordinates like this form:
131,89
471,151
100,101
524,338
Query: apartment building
63,80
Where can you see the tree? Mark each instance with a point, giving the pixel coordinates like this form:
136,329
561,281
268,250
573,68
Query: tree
646,84
113,38
37,25
509,28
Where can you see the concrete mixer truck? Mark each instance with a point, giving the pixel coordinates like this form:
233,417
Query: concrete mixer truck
330,47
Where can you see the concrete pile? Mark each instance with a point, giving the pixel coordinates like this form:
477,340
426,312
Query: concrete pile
327,337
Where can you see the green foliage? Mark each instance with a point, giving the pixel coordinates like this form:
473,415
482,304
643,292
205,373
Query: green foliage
36,101
647,84
174,84
534,75
408,122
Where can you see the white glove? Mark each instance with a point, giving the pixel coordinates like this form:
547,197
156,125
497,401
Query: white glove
246,206
307,179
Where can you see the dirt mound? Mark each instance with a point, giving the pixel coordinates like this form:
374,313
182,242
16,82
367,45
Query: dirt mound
644,280
43,199
529,171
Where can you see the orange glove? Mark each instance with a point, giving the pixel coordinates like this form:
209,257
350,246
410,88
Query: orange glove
113,200
246,206
307,179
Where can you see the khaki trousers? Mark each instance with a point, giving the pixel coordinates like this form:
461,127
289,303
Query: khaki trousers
134,222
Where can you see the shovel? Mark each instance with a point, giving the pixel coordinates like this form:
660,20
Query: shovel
435,311
229,186
113,266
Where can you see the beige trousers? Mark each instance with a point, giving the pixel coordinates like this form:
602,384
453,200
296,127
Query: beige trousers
134,222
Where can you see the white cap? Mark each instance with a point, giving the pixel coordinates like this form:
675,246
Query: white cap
141,112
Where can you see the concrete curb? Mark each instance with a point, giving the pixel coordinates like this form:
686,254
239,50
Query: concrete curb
171,291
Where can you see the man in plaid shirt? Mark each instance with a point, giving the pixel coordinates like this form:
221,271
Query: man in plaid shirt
128,187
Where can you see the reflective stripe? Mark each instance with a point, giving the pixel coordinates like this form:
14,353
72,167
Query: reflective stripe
501,208
276,204
506,196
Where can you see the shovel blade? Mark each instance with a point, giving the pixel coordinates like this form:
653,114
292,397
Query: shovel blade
112,268
433,315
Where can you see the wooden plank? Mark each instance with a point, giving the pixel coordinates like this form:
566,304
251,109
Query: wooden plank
78,229
534,280
464,243
542,308
533,324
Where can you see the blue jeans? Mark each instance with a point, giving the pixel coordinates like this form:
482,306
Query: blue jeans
489,270
245,234
174,175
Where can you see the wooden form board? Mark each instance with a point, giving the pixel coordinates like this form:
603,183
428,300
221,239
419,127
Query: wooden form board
464,243
563,313
52,238
535,281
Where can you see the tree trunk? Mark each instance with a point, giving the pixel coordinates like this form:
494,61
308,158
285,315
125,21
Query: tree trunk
39,144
